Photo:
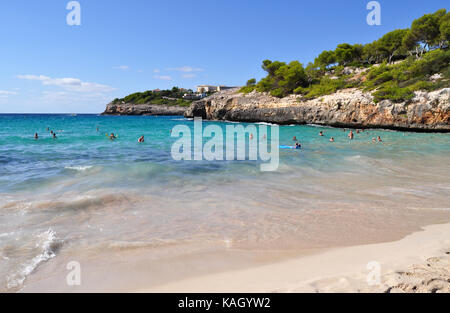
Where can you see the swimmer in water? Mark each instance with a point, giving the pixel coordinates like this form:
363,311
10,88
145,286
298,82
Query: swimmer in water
351,135
54,135
379,139
294,139
331,139
251,136
112,136
374,140
36,136
141,139
321,134
298,145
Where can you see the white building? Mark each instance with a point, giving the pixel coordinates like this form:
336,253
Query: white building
209,88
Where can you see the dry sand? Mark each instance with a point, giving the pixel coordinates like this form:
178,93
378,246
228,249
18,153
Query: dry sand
419,262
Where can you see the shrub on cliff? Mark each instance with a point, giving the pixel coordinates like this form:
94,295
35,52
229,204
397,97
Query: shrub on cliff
282,79
398,82
173,96
250,86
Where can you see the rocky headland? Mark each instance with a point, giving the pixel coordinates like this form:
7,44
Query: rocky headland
143,109
350,108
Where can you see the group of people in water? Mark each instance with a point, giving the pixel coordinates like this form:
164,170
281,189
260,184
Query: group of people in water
113,136
52,133
351,136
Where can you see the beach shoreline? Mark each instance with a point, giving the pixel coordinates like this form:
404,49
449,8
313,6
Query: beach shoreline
419,262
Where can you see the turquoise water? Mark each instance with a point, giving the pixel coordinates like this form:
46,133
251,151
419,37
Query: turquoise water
84,192
27,163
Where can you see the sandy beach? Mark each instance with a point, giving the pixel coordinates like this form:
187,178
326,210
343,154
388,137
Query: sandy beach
420,262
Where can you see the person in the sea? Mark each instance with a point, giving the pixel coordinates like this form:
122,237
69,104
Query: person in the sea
321,134
141,139
332,139
298,145
112,136
251,136
294,139
54,135
374,140
351,135
379,139
36,136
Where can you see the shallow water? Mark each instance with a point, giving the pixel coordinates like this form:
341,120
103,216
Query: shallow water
84,193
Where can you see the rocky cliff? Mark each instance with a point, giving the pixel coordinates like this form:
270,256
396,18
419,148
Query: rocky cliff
143,109
351,108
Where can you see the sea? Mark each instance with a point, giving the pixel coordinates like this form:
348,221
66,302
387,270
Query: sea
132,215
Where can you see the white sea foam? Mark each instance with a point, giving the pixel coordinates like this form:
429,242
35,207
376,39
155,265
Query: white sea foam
79,168
264,123
353,158
6,234
48,244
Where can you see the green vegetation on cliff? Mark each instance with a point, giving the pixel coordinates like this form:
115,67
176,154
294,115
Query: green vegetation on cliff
420,51
164,97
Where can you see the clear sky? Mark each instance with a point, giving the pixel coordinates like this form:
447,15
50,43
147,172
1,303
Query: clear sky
124,46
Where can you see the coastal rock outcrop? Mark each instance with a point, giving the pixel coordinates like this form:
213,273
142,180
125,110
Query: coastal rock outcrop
351,108
143,109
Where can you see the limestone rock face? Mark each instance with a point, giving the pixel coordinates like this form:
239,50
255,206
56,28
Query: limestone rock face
143,109
427,111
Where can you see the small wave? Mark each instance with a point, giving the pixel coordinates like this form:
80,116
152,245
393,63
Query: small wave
264,123
126,245
78,168
6,234
318,126
353,158
49,245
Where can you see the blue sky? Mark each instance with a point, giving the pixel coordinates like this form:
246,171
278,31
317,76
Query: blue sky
135,45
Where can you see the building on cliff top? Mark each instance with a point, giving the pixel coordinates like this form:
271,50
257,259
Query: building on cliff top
209,88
